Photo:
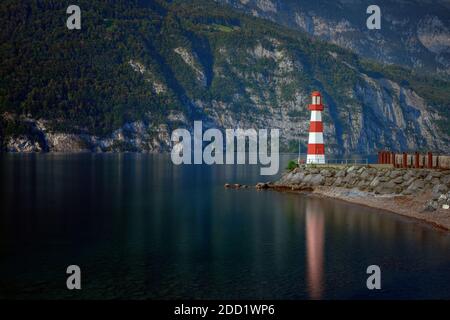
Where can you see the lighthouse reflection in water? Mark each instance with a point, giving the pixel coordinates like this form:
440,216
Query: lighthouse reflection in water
315,242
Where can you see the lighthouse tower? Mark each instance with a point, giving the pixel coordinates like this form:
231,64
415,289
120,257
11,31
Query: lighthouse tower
316,148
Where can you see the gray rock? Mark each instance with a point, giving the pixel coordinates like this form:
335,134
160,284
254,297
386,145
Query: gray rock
436,174
295,178
398,180
387,188
341,173
329,181
406,192
416,186
351,169
442,199
408,176
365,175
317,179
327,173
395,174
435,181
430,206
438,190
307,178
445,179
262,185
361,170
338,182
408,182
375,182
421,173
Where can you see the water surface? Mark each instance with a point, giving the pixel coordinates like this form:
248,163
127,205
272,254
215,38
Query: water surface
140,227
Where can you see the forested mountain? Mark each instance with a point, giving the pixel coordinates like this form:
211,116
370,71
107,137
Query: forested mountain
414,33
138,69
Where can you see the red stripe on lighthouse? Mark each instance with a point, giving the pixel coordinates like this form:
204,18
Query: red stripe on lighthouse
317,107
315,148
316,126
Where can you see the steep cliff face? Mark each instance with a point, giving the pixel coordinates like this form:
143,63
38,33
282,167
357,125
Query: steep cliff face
191,62
413,33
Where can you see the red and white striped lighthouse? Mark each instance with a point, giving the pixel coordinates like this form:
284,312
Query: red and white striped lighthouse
316,147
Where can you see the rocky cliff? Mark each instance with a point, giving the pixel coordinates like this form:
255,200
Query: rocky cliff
123,84
413,33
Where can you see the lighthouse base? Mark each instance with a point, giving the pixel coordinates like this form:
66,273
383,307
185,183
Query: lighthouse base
315,159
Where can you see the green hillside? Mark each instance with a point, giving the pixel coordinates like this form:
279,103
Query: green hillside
144,60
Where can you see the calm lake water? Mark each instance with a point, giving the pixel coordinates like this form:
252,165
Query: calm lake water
140,227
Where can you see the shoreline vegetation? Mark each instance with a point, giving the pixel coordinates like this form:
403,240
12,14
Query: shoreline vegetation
422,194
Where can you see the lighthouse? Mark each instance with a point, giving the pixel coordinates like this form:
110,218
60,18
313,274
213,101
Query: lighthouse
316,147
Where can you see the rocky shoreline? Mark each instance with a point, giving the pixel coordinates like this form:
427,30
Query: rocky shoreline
422,194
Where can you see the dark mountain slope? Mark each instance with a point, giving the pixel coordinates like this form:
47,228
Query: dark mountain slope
138,69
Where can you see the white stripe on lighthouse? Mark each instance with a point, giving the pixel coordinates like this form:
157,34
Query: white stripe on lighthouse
315,158
316,137
316,115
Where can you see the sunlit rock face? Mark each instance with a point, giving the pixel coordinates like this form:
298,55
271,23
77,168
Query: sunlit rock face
231,70
413,33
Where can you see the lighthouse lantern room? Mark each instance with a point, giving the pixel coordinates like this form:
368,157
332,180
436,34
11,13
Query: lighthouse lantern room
316,147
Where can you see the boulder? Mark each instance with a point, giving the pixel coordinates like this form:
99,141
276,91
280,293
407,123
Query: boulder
329,181
408,182
351,169
436,174
445,179
435,181
361,170
395,173
375,182
317,179
398,180
295,178
307,178
408,175
406,192
387,188
338,182
326,173
366,175
262,185
430,205
416,186
421,173
442,199
438,190
341,173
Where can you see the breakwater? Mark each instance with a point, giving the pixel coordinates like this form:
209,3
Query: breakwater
419,193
